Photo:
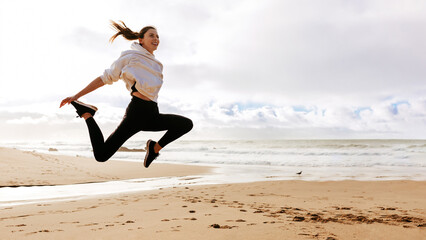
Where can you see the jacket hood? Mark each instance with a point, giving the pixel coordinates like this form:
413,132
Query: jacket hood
136,48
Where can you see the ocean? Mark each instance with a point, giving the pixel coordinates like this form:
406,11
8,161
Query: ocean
317,159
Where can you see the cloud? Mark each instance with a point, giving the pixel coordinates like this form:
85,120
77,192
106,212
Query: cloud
380,118
215,120
315,51
28,120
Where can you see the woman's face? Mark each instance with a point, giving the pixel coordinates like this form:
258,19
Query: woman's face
150,40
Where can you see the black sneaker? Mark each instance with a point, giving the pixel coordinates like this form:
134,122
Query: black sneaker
150,153
83,108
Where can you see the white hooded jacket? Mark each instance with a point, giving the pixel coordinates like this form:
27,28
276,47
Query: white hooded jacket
137,66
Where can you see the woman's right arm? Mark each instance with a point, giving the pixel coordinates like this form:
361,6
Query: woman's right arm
95,84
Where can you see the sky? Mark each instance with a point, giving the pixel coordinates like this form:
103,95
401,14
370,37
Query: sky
241,69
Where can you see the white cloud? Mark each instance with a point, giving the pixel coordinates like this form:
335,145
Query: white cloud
28,120
235,120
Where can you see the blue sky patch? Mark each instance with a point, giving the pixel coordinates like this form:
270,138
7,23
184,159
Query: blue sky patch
301,108
359,110
394,106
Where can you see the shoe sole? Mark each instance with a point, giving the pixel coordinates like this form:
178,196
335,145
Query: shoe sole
86,105
147,152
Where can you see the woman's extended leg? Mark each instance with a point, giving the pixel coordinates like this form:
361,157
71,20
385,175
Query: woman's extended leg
104,150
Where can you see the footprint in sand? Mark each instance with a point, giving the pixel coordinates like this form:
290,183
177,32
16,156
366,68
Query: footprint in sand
19,225
217,226
151,210
88,224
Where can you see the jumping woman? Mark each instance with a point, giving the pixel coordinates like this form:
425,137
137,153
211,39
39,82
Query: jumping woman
142,73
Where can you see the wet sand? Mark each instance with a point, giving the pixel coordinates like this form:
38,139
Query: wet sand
261,210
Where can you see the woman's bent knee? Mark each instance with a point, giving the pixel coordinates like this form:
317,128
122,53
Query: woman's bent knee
101,157
188,125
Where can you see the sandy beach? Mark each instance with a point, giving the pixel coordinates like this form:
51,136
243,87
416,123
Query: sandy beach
260,210
28,168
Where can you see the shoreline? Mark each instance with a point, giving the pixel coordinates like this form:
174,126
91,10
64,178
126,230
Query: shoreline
53,178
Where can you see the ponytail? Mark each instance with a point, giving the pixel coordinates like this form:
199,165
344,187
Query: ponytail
127,33
123,30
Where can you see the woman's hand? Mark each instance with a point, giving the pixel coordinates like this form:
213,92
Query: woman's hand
68,100
95,84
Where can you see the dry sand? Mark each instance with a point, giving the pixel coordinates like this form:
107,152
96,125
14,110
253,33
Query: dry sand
262,210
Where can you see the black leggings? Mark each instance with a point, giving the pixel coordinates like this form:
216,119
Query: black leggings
140,115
